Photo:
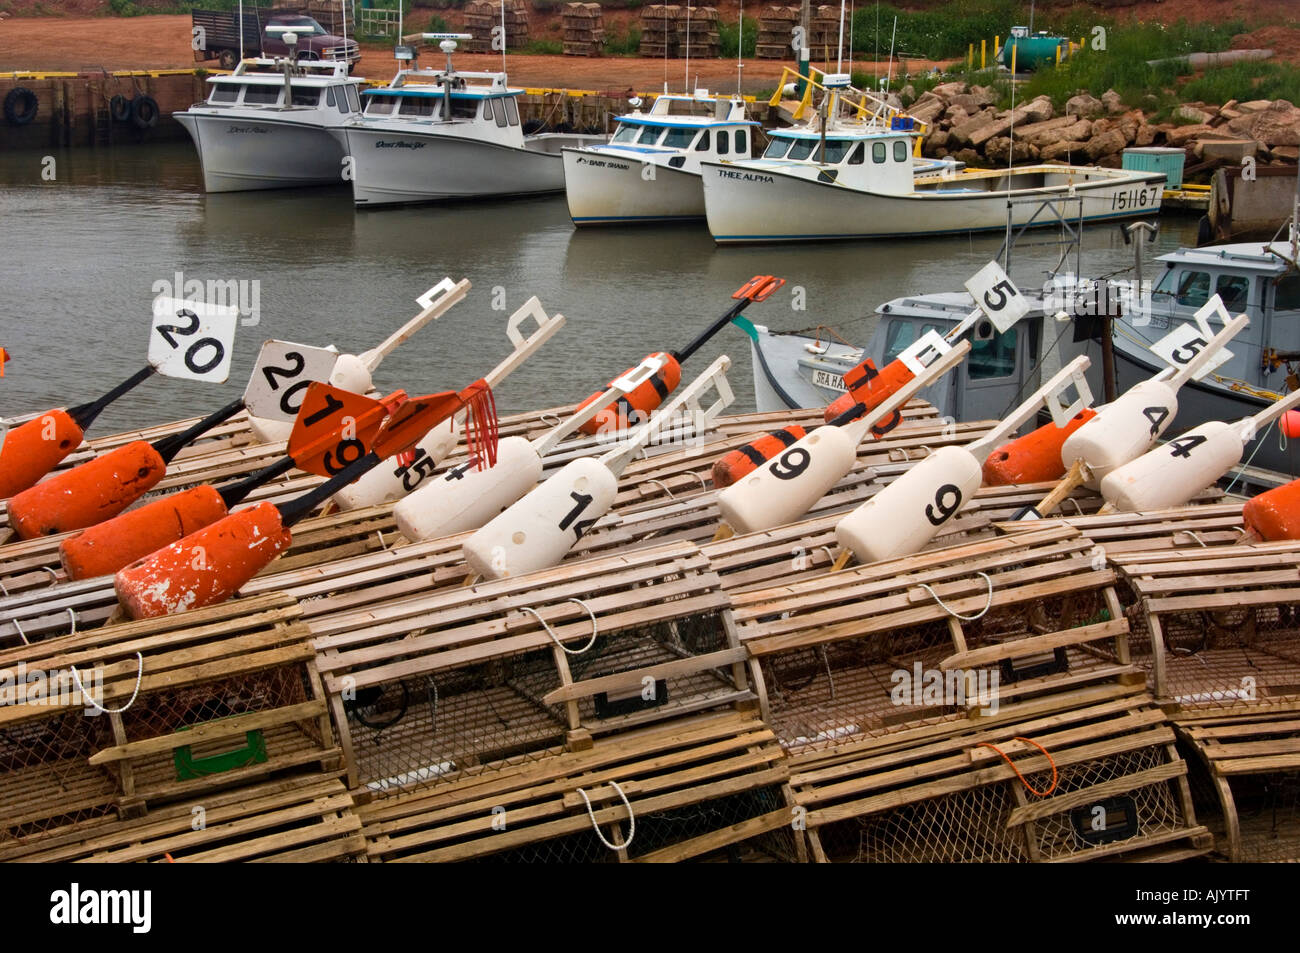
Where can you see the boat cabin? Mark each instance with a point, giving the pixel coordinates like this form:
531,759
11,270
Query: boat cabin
872,161
481,103
261,84
697,128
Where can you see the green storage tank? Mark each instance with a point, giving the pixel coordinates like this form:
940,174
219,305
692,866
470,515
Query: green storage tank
1032,52
1157,159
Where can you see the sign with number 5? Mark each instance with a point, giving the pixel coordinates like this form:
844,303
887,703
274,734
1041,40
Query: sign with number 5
997,297
192,340
1183,343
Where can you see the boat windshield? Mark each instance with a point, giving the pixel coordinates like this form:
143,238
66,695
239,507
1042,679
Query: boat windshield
803,148
679,138
649,136
777,148
224,93
381,105
626,133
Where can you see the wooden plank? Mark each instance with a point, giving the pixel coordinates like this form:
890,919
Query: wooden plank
715,840
633,679
1092,794
1035,644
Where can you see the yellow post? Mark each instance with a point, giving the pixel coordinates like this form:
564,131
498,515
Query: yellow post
996,46
1058,54
1014,47
1081,42
970,56
982,42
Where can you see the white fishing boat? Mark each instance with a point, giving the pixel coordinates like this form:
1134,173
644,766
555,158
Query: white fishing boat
838,178
438,135
266,125
649,171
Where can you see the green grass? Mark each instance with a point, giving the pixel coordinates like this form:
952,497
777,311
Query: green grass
546,47
629,44
729,38
1245,81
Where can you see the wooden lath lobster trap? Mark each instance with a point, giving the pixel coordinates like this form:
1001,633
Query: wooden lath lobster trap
429,687
885,683
156,714
1218,628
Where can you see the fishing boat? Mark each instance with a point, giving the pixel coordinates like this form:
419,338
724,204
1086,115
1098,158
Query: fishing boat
649,171
856,176
439,135
266,125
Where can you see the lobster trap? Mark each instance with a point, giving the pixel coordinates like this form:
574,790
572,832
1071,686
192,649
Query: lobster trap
1218,629
156,715
887,684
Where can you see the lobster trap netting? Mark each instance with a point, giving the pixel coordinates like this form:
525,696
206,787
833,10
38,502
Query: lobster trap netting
1268,816
417,731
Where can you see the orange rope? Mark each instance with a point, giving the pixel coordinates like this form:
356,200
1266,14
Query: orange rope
985,744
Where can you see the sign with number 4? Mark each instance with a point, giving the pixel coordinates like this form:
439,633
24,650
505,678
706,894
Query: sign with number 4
997,297
281,376
192,340
1183,343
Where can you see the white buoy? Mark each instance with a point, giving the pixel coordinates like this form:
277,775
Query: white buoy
463,499
1173,473
784,488
386,483
537,531
1130,425
354,373
903,517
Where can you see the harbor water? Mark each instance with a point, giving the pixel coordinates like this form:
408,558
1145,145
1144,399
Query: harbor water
90,236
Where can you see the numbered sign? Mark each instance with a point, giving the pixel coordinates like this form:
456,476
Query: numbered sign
997,297
333,429
192,340
924,351
1183,343
281,376
1061,407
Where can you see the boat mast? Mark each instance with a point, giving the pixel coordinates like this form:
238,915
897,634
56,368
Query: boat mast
503,36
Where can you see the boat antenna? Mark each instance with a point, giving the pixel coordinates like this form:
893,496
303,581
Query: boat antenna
839,52
343,15
241,30
1011,132
850,38
503,36
400,5
688,47
665,49
889,77
740,46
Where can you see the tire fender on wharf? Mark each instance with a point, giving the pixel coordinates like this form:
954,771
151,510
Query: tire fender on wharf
904,516
206,567
537,531
88,494
463,498
105,548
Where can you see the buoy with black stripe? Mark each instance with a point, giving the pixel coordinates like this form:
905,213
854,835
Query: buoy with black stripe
636,408
209,566
784,488
105,486
1174,472
37,446
463,499
355,372
742,461
537,531
903,517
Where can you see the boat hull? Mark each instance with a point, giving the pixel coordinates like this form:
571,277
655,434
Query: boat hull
241,154
763,205
604,189
392,168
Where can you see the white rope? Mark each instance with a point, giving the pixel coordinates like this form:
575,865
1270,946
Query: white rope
700,476
1077,508
957,615
139,677
54,576
595,631
631,818
382,545
666,490
21,634
74,620
1188,532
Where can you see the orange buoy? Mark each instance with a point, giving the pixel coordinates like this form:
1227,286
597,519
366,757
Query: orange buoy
637,406
1035,457
35,448
1290,424
736,464
88,494
104,549
204,568
1274,515
868,387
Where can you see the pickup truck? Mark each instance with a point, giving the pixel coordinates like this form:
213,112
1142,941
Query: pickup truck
216,34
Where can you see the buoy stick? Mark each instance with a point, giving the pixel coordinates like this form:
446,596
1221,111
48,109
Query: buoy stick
758,288
1251,426
448,295
1193,367
525,347
981,448
1074,478
85,414
236,492
623,386
168,447
858,429
295,509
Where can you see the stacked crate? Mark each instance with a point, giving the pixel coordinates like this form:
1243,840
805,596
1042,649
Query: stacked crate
698,34
824,31
659,30
482,15
774,33
584,29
